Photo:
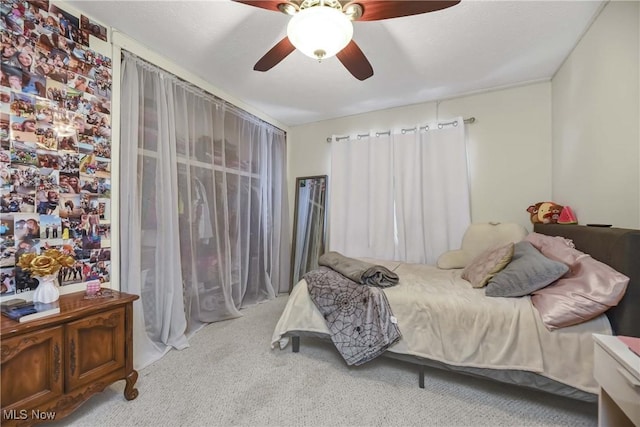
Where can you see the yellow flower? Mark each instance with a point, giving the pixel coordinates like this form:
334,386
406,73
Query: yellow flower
43,265
67,261
25,260
52,253
48,263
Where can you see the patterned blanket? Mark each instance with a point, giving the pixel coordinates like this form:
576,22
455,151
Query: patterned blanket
359,317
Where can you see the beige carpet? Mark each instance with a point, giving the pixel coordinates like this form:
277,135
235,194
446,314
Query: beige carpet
231,377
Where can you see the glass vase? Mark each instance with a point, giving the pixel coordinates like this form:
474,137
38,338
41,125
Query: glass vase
47,290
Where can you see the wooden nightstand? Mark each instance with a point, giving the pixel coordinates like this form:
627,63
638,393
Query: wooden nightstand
617,370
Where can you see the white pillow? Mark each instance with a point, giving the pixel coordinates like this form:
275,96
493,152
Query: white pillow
453,259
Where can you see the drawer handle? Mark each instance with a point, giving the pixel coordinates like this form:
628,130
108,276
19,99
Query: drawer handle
630,379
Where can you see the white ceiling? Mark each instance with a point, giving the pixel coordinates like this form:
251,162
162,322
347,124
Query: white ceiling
473,46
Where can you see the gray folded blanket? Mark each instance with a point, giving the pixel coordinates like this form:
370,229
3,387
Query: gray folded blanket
359,271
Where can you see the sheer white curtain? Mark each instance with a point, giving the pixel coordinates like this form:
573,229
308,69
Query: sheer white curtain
204,208
400,196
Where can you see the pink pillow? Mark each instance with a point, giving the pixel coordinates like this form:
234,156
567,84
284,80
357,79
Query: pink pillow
539,240
587,290
487,264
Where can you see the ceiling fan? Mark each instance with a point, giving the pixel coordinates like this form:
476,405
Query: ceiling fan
323,28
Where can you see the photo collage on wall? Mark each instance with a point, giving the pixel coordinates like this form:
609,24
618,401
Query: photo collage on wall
55,135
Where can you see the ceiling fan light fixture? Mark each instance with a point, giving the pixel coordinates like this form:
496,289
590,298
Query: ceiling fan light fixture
320,32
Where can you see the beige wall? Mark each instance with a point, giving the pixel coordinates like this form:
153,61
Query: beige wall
596,121
574,140
509,146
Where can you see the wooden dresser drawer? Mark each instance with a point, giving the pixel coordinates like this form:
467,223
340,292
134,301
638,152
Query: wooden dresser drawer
619,382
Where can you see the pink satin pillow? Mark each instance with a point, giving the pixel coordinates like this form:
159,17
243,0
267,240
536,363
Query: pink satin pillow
587,290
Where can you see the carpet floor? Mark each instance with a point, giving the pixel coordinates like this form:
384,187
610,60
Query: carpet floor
230,376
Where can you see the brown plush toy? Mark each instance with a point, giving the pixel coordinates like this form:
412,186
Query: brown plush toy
545,212
533,210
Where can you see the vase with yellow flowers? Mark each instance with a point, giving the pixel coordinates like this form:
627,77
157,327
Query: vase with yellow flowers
45,268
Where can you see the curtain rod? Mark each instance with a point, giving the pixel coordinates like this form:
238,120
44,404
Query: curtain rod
198,91
388,132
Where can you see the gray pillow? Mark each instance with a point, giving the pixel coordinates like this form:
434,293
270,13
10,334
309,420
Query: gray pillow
527,272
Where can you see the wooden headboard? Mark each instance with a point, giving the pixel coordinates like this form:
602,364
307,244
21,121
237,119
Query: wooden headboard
620,249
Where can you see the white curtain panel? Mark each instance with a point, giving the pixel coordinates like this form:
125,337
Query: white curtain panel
204,209
361,208
400,196
432,191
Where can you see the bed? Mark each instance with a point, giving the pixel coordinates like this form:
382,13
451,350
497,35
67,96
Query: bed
518,348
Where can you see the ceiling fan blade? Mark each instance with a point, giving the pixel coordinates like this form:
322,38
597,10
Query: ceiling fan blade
375,10
263,4
354,60
275,55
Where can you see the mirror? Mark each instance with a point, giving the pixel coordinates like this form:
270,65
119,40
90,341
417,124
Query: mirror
308,225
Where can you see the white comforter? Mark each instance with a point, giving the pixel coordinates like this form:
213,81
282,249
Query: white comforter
443,318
